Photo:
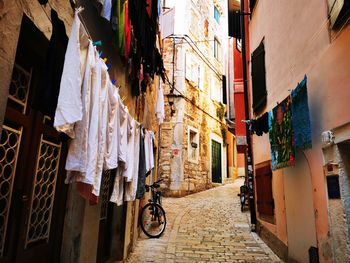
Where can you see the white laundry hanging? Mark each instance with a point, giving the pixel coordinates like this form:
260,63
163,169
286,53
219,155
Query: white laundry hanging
69,104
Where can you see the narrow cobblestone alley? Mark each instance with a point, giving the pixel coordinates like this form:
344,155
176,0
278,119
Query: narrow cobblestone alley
205,227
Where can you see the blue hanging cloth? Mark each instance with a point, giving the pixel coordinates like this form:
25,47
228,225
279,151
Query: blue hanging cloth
301,116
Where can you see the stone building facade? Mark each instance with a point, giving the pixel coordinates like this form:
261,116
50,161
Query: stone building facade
78,232
194,139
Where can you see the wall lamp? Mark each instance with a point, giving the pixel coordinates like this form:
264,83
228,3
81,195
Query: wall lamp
171,99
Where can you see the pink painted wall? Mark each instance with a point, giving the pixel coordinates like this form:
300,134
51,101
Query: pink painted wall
297,42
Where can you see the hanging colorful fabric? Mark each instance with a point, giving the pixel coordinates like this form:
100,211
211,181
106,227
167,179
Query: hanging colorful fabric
121,27
301,116
127,32
281,135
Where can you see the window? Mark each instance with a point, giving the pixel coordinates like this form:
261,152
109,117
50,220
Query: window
265,202
258,79
216,14
215,89
193,145
193,71
217,47
338,12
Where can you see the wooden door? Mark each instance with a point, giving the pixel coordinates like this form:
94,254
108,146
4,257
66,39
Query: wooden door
32,157
216,162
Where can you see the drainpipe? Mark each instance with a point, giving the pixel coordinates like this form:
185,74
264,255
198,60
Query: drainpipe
249,157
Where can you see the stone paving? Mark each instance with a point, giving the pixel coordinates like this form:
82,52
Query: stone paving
205,227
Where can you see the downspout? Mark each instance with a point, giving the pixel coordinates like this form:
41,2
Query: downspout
249,157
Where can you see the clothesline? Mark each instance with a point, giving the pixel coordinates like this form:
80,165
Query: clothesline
104,136
79,10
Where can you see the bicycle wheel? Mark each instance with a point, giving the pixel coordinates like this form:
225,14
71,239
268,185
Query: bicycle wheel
153,220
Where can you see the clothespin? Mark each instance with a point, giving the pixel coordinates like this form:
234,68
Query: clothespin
113,81
79,9
123,98
105,60
100,53
109,66
97,43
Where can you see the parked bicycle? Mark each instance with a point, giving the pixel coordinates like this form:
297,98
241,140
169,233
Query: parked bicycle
152,217
244,194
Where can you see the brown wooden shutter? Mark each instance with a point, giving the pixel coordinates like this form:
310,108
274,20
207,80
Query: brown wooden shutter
258,79
265,200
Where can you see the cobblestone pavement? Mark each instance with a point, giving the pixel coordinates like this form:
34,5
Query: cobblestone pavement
205,227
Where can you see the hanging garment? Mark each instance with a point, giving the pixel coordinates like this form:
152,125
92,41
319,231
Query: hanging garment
127,32
46,95
301,117
69,104
142,168
262,124
130,155
106,9
149,157
113,131
118,187
160,103
102,129
123,143
121,27
78,147
131,186
281,135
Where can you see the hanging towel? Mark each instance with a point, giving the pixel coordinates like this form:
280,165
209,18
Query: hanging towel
160,103
281,135
301,116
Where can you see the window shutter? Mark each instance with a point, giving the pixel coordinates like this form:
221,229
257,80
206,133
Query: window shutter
234,24
265,200
258,79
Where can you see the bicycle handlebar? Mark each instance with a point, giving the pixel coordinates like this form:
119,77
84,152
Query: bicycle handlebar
155,184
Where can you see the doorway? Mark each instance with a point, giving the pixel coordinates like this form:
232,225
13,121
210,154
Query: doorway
32,157
216,162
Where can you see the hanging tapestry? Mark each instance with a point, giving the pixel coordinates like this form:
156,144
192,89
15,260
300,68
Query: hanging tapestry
301,117
281,135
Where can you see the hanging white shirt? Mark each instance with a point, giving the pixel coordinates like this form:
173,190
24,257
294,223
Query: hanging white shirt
131,187
113,129
102,129
160,103
69,105
149,157
118,188
128,173
77,152
123,144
